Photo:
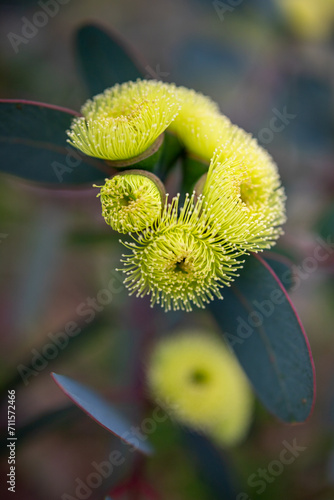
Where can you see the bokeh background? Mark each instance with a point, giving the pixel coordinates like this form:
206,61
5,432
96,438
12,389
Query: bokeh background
258,59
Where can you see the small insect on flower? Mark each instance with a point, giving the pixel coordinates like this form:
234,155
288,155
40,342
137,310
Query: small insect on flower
200,384
245,194
125,120
132,201
181,260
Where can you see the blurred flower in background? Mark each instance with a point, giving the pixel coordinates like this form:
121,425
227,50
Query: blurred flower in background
200,383
308,19
269,66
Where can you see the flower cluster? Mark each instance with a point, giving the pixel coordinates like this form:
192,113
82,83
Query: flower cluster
182,259
182,252
201,385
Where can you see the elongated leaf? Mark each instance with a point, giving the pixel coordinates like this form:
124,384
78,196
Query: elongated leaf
105,59
212,466
101,411
282,267
33,146
262,326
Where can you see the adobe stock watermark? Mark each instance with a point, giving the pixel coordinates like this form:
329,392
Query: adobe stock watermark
59,340
102,471
277,124
30,27
262,477
222,8
293,278
72,161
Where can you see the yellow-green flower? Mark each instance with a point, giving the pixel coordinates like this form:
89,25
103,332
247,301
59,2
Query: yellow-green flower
199,125
245,195
194,106
182,260
132,201
125,120
202,128
200,383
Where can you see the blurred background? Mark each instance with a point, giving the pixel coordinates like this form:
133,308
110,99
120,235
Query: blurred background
270,66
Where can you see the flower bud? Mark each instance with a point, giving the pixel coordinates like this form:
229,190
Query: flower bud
132,200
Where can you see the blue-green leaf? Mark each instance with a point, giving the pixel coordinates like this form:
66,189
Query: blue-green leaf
33,146
212,465
101,411
263,328
282,267
105,59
